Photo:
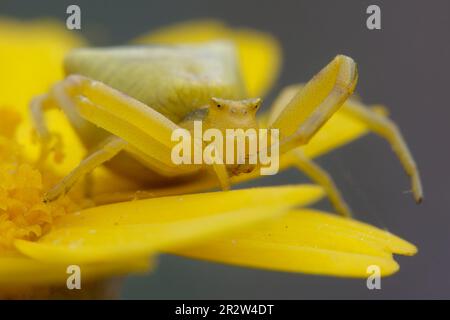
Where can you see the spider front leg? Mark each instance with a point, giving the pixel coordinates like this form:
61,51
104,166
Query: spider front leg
315,103
299,112
376,121
322,178
106,151
128,124
49,141
311,118
60,97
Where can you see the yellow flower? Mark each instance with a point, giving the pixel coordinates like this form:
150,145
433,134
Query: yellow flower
259,227
38,241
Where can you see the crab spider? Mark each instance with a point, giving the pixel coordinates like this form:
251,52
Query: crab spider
125,102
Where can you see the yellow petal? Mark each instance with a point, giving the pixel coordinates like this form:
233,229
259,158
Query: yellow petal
307,241
16,270
31,56
143,227
259,52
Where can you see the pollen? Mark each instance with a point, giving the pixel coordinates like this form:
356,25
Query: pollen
23,214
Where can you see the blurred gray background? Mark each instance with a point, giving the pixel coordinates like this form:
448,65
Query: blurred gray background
404,66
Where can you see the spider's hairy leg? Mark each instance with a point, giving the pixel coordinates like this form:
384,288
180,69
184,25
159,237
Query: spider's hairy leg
106,151
322,178
314,103
387,129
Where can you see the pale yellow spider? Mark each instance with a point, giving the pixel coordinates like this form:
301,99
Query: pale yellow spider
132,98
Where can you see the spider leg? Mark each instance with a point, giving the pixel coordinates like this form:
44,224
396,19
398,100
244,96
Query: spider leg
387,129
48,141
222,175
219,169
37,108
322,178
107,150
377,122
315,103
138,128
282,100
59,97
129,118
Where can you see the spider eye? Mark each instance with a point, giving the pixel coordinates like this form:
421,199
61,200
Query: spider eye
219,106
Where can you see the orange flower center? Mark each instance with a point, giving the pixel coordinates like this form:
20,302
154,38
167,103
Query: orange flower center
23,214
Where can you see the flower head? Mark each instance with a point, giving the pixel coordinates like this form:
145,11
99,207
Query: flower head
259,227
